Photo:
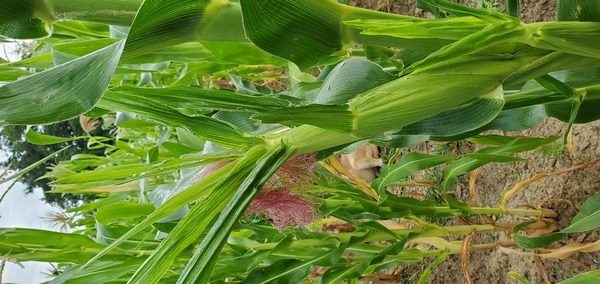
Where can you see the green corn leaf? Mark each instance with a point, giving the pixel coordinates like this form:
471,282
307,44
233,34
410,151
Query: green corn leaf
206,127
550,62
348,79
133,171
583,278
59,93
205,257
292,270
216,24
342,271
467,164
287,271
383,56
512,8
202,99
15,10
431,9
241,53
160,24
24,245
222,22
570,38
9,73
113,199
82,30
410,56
577,110
588,217
100,272
112,221
492,35
247,262
517,119
43,139
535,242
491,140
359,206
33,19
331,117
467,117
62,53
32,166
552,84
266,21
575,96
24,29
490,158
337,274
473,35
238,265
42,61
578,10
408,164
114,12
427,272
246,178
199,190
188,139
447,28
578,86
280,28
410,99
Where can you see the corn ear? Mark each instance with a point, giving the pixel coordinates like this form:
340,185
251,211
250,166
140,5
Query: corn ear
434,90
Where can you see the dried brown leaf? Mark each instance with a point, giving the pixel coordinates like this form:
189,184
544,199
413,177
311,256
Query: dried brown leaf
520,185
464,259
88,124
557,253
542,269
472,189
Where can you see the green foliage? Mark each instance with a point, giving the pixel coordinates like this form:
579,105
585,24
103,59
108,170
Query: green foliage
587,277
587,217
22,154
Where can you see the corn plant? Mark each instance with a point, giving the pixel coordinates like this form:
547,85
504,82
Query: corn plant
193,157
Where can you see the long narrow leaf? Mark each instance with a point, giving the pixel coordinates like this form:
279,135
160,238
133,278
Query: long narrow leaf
33,166
200,266
407,165
588,217
468,164
43,139
62,92
160,24
196,221
199,190
209,128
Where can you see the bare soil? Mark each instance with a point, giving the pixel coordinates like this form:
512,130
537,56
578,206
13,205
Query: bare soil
564,193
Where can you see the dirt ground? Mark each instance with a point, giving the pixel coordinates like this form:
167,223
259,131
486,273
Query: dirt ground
564,193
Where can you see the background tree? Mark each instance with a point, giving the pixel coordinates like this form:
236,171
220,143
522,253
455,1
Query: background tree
21,154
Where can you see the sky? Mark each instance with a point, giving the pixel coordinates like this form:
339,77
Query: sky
7,51
24,211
